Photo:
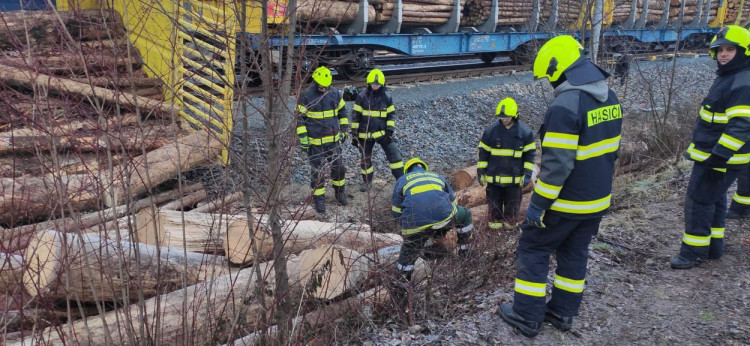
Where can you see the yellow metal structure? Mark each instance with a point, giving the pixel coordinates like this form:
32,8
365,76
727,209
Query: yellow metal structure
740,11
721,15
586,15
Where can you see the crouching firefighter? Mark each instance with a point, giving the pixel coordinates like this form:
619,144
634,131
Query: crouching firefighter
425,207
321,126
506,160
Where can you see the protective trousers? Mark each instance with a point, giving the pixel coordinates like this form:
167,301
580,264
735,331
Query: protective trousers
392,153
414,243
569,240
741,199
503,203
705,212
319,155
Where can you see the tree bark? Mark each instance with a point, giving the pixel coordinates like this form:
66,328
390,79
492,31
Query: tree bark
465,177
194,232
472,196
43,27
331,12
11,271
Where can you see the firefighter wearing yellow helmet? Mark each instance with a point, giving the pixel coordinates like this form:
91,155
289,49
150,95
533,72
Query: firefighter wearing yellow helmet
506,159
425,207
580,140
719,150
373,122
322,125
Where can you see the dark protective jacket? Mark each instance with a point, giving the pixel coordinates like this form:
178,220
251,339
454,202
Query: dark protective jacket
506,156
373,113
580,143
421,200
321,115
723,124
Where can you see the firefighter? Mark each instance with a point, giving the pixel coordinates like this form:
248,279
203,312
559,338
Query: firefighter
321,126
740,207
718,148
373,122
425,207
580,140
506,160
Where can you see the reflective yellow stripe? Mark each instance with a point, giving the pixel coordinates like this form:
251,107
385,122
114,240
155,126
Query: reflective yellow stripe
397,165
367,170
357,108
391,108
375,114
341,182
730,142
696,154
495,225
409,231
371,135
343,121
482,164
301,129
581,207
741,199
529,147
528,165
560,140
546,190
738,111
322,114
717,232
324,140
503,180
694,240
455,201
319,192
342,104
708,116
302,109
304,140
424,188
484,146
419,180
506,152
739,159
396,209
390,123
570,285
600,148
533,289
355,125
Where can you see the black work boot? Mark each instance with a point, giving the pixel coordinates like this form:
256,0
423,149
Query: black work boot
320,204
680,262
341,196
526,327
731,214
562,323
365,187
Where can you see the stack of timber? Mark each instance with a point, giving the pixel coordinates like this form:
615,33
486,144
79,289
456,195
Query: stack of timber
733,11
416,12
509,13
568,12
331,12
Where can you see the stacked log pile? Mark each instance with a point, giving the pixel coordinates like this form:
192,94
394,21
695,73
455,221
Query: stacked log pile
509,12
416,12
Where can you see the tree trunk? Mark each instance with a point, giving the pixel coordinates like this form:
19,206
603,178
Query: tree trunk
90,268
300,235
217,204
186,201
331,12
472,196
464,178
11,271
207,307
194,232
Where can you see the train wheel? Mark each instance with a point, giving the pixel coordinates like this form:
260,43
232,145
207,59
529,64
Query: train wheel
487,57
351,72
524,54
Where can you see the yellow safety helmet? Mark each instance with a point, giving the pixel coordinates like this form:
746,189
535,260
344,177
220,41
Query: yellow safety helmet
730,34
412,162
507,107
322,76
556,56
376,77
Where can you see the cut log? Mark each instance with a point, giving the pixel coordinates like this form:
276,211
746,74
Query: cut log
186,201
194,315
194,232
472,196
464,178
299,235
217,204
90,268
11,271
155,167
43,27
330,12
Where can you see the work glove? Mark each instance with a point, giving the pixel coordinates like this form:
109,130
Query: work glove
343,136
526,180
304,143
388,138
534,217
355,141
480,178
715,161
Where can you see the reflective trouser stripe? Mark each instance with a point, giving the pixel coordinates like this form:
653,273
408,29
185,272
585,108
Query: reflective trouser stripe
496,225
368,170
404,268
570,285
717,232
741,199
533,289
319,192
397,165
341,182
695,240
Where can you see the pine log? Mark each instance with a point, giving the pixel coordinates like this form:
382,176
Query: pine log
193,232
427,15
15,75
199,314
330,12
471,196
91,268
419,20
299,235
67,63
43,27
160,165
219,203
480,216
186,201
464,178
11,271
17,239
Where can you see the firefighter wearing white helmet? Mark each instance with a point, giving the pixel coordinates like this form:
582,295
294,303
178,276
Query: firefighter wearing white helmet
373,122
322,124
580,141
506,161
719,149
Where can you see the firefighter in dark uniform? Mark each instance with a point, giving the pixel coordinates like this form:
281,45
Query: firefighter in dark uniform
580,141
373,122
506,160
719,149
425,207
321,126
740,207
